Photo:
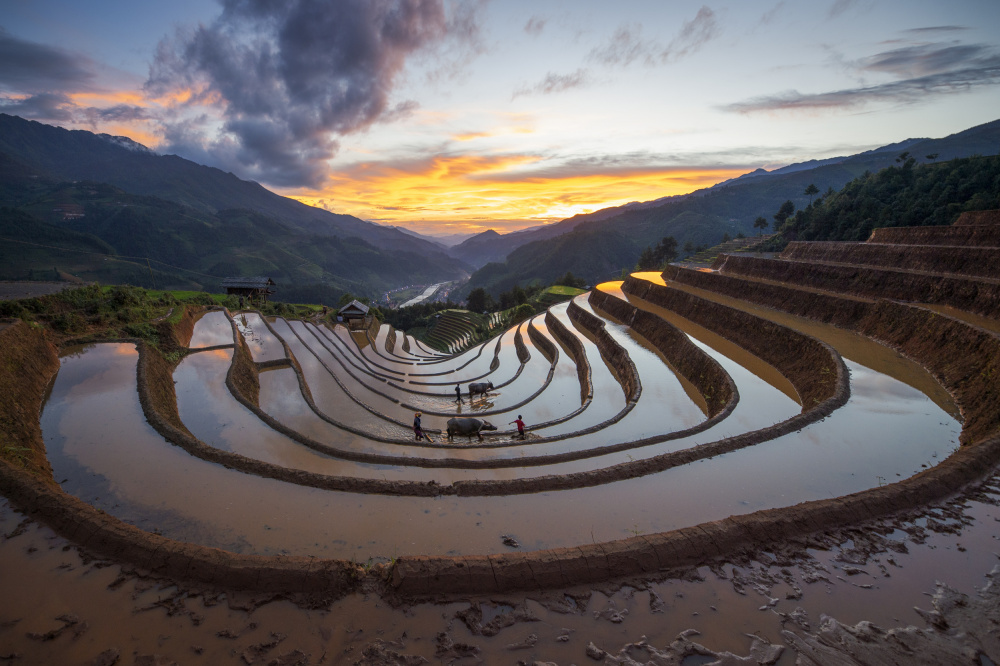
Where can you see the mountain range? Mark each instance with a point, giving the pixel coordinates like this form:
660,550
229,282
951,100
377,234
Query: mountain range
194,224
109,209
596,246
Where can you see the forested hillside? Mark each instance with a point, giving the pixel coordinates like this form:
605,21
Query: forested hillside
908,194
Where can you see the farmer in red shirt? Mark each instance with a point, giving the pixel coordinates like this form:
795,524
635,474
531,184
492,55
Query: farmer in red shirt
520,426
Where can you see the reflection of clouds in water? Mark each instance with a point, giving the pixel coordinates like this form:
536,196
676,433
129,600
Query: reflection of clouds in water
211,329
875,392
280,394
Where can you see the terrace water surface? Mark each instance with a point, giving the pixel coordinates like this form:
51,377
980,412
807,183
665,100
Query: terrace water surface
134,474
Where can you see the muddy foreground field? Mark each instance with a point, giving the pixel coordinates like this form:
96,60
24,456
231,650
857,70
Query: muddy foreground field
903,591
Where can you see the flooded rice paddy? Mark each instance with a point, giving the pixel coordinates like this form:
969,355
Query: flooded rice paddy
355,395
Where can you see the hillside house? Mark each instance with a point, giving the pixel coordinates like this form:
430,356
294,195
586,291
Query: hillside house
253,289
355,315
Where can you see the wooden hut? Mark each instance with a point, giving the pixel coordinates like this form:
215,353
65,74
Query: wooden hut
355,315
253,289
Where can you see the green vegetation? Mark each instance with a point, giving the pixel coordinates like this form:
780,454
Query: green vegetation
908,194
442,324
659,256
450,328
560,290
96,311
416,316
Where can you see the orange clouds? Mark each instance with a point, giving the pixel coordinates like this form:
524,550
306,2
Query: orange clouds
469,193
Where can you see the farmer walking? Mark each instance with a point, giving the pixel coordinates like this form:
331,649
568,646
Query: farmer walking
520,426
458,394
418,432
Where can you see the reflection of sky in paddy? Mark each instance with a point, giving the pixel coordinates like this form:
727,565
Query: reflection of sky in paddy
211,329
131,472
261,342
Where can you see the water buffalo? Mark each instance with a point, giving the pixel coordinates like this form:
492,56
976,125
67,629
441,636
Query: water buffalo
468,427
481,388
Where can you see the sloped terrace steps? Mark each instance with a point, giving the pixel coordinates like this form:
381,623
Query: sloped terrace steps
646,553
978,262
680,487
974,228
387,400
978,295
959,354
431,367
305,519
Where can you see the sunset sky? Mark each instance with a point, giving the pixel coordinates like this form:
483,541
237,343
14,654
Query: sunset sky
448,117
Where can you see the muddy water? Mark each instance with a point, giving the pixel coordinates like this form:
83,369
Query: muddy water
211,329
848,344
664,402
422,398
146,481
334,401
216,418
52,580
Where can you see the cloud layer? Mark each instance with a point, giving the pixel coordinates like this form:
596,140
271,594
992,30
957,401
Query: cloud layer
287,77
39,81
627,46
921,71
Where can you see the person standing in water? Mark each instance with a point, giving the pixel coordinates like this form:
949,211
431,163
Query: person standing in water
458,394
520,426
418,432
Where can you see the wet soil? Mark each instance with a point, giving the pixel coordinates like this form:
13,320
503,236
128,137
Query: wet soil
902,591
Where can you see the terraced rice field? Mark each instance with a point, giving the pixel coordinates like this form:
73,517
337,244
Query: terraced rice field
672,418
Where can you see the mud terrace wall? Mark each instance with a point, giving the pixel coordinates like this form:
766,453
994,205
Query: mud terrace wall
243,376
29,362
178,335
523,355
977,296
542,343
576,351
973,261
613,353
810,365
704,372
390,341
985,236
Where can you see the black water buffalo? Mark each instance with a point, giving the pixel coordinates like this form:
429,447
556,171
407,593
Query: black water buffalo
468,426
481,388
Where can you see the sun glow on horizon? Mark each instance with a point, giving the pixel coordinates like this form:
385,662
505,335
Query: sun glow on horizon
472,193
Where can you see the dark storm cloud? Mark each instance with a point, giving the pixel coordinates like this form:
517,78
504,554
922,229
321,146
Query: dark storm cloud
29,67
289,75
924,71
554,83
627,46
55,107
